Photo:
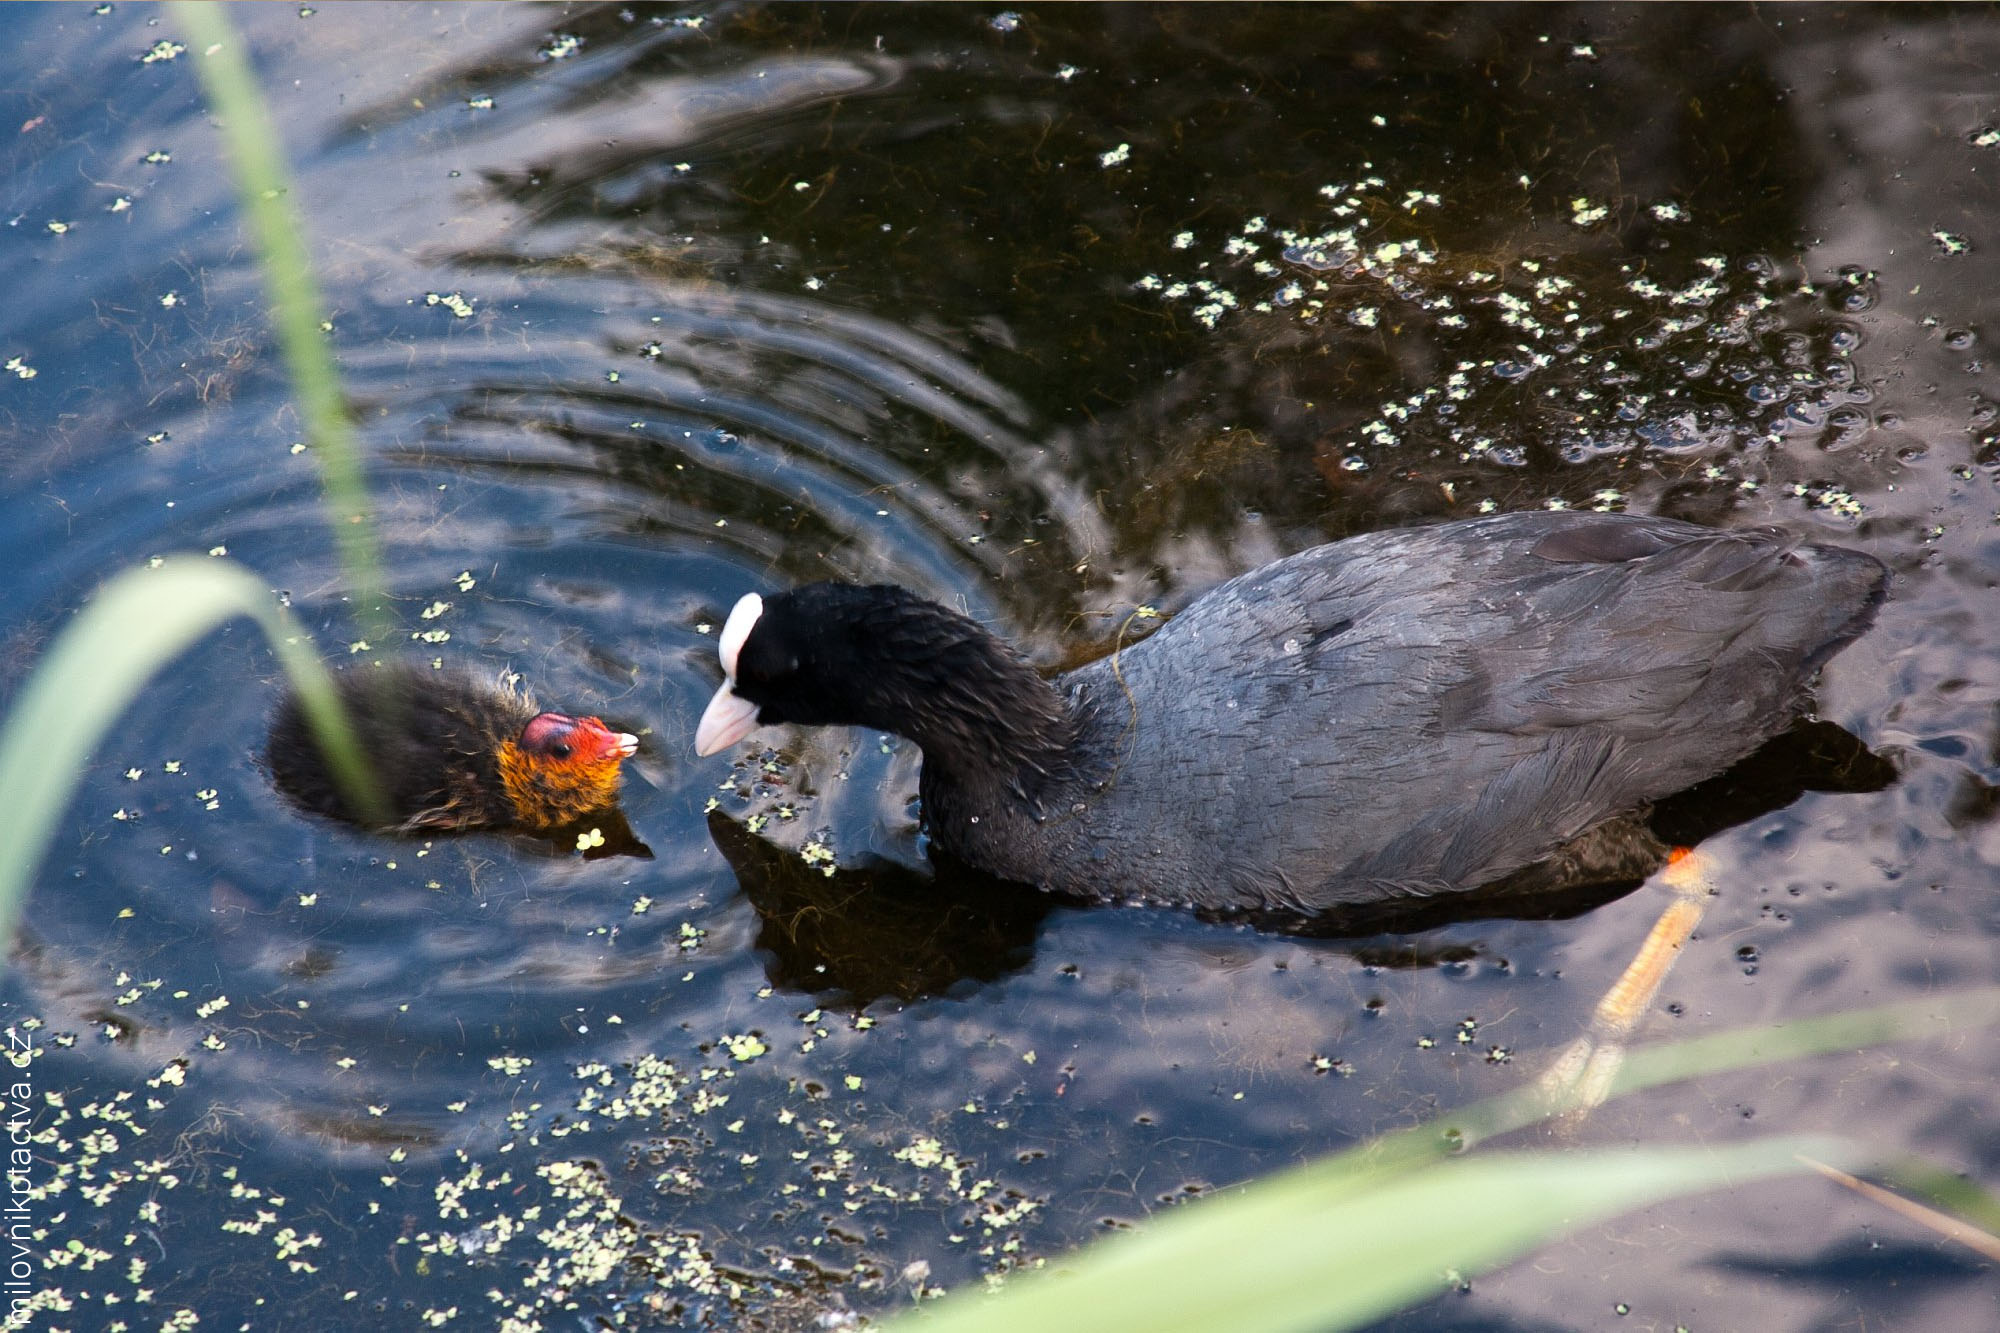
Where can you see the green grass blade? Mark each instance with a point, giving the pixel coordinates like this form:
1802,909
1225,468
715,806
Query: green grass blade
278,234
1944,1190
1930,1016
97,666
1653,1066
1240,1245
1284,1254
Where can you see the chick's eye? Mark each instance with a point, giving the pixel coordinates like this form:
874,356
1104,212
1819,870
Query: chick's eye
548,734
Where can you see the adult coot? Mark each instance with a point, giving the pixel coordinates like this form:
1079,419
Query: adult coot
1402,714
453,753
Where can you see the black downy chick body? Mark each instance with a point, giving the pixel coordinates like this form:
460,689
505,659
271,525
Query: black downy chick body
1399,715
451,753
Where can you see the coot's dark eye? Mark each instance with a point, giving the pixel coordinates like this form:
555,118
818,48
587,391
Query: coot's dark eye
559,750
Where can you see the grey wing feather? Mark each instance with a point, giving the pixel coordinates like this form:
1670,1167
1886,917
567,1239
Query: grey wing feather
1408,714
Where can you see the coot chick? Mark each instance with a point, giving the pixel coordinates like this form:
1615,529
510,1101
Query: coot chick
452,753
1399,715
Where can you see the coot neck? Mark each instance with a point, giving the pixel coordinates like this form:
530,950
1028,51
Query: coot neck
985,720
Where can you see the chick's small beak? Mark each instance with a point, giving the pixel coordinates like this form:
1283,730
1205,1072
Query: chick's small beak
603,743
727,720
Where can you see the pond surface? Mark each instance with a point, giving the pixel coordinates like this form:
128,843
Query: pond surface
1051,313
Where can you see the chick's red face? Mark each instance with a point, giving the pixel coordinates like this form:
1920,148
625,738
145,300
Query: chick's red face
562,768
557,738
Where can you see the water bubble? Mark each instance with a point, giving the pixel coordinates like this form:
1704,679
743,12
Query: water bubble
1855,291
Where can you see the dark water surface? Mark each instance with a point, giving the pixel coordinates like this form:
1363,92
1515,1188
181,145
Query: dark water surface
1050,312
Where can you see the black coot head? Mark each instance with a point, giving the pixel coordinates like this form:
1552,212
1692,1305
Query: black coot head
802,656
